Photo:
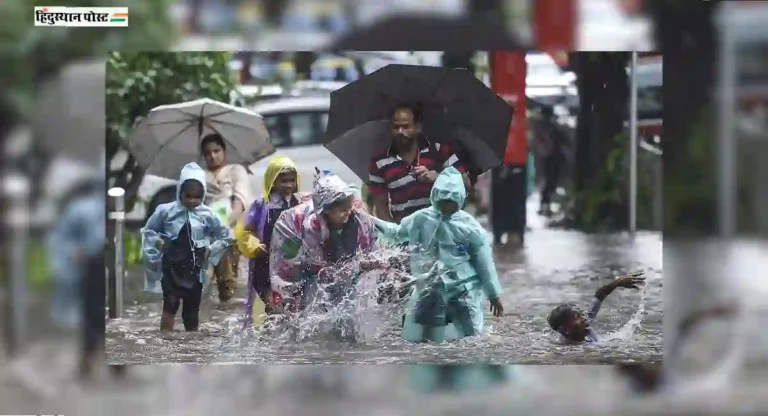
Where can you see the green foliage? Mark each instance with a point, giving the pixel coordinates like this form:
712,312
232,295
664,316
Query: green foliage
38,271
139,81
691,190
30,54
133,253
604,206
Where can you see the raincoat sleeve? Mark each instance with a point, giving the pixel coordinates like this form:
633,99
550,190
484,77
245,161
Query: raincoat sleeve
392,233
151,236
247,243
312,244
222,238
482,258
285,248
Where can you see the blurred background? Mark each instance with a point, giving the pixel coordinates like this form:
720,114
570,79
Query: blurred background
713,205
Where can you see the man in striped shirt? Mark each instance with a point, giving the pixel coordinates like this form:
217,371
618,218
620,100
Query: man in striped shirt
401,178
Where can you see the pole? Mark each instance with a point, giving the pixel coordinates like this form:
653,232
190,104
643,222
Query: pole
633,146
117,214
17,189
726,145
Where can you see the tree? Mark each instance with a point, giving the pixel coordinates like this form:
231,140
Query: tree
31,55
137,82
688,36
603,86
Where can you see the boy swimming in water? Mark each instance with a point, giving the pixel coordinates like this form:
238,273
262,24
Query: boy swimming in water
575,326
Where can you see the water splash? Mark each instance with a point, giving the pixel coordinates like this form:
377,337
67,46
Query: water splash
628,329
344,304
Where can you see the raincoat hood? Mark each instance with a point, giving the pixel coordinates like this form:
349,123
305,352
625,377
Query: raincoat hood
276,166
191,171
329,188
449,185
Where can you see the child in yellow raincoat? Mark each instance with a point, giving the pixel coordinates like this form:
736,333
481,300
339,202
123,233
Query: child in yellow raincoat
254,232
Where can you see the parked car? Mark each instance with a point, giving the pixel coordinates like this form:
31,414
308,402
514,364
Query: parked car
296,126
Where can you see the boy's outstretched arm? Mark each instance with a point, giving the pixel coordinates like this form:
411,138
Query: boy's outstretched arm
629,282
391,232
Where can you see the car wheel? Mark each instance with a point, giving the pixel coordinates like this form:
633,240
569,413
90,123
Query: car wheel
163,196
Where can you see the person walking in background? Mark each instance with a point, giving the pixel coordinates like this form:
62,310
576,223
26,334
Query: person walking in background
254,232
228,194
401,178
549,148
76,249
177,248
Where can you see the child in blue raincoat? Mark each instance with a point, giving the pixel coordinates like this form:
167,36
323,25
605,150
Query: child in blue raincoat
178,241
452,262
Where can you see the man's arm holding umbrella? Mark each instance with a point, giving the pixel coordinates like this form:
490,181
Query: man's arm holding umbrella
446,153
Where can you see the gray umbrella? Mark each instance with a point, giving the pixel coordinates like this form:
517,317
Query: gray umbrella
455,107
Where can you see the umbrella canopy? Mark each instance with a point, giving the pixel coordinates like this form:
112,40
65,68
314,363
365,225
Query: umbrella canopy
455,107
170,136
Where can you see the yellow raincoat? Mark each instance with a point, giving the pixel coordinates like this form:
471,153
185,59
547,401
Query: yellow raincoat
253,231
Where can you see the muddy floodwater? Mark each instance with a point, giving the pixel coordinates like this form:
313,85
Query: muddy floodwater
555,266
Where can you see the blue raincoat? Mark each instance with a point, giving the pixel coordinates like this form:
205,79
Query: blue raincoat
452,263
165,223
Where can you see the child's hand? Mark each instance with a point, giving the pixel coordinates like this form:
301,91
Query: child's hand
497,308
630,281
160,244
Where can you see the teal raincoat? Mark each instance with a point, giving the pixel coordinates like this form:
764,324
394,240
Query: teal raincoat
165,223
452,261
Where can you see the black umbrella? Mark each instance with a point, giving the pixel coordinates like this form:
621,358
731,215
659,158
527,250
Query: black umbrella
429,33
455,107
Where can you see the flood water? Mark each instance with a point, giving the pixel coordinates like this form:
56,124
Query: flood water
556,266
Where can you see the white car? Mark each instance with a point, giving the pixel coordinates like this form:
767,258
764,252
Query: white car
296,126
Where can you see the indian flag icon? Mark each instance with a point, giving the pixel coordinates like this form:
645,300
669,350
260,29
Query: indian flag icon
119,18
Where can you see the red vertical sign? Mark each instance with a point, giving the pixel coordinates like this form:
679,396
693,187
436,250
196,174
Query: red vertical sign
508,71
554,24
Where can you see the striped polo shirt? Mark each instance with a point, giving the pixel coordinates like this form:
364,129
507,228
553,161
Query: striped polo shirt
389,174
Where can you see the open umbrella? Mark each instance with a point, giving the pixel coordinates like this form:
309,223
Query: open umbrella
455,107
169,137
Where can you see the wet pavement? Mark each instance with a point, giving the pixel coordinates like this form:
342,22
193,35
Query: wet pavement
554,267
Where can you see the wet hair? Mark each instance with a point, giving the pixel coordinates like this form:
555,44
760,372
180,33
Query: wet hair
189,185
560,316
212,138
415,108
338,203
